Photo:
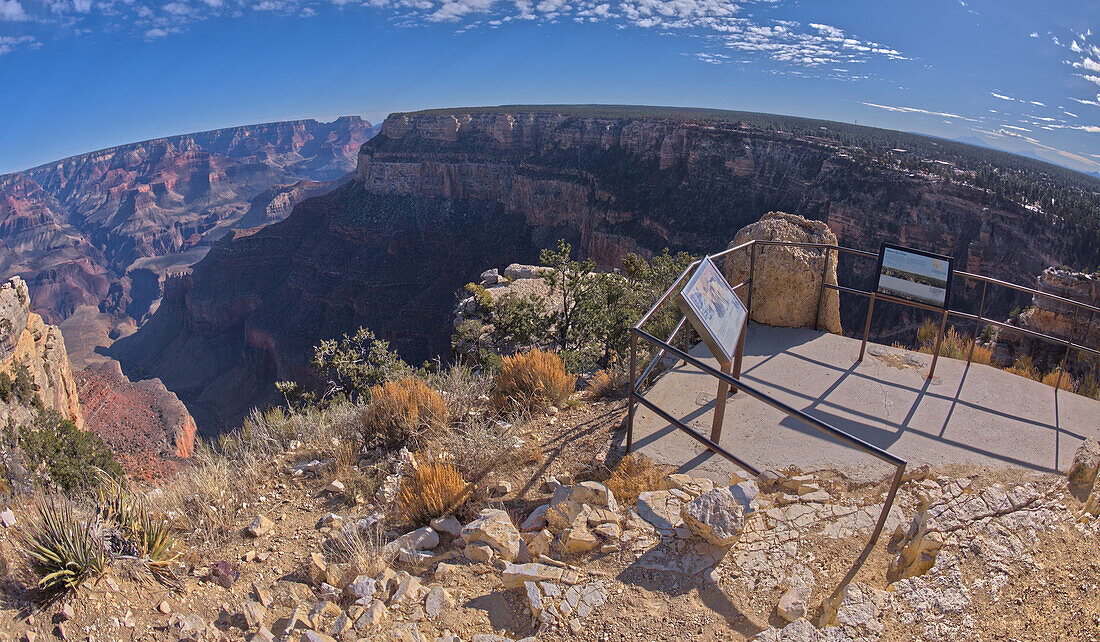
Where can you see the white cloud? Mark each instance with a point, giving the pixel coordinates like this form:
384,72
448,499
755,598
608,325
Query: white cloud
155,32
1036,102
1033,34
1087,63
9,44
1069,113
452,10
1092,129
1001,96
12,10
177,8
918,110
1022,129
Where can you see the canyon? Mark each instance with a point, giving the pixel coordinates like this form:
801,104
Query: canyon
95,236
439,196
101,230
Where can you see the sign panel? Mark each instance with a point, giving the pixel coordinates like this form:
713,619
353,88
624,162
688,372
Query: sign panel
714,309
914,275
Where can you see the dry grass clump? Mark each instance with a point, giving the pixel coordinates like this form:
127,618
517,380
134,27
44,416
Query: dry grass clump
953,346
1066,382
636,474
403,412
533,379
1025,367
432,490
606,383
478,444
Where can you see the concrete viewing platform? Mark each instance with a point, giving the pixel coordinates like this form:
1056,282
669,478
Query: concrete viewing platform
977,415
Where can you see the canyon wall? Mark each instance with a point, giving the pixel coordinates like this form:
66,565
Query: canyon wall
27,341
439,195
78,229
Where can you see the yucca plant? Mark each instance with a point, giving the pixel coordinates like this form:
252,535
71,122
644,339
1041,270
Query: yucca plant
64,553
139,532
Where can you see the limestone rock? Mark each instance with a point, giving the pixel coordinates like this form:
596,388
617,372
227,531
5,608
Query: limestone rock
536,520
438,601
494,528
792,605
661,508
516,574
787,280
1082,473
716,516
260,526
448,525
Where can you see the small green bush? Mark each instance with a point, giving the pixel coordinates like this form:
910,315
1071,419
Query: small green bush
70,455
355,364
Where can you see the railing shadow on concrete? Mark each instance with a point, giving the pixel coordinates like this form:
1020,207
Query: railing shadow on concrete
664,349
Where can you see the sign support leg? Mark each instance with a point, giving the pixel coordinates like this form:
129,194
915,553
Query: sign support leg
939,342
720,403
867,327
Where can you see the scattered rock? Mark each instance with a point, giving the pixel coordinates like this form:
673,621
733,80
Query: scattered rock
438,601
1082,473
495,529
260,526
224,574
448,525
335,488
792,604
7,518
516,574
716,516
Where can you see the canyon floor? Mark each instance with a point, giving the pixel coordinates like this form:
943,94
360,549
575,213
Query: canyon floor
1016,559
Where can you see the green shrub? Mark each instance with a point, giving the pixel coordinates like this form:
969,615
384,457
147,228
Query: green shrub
5,387
70,455
355,364
23,384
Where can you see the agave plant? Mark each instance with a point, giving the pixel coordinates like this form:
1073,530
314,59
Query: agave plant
63,552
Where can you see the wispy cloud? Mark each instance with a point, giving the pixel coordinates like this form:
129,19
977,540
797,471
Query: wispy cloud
9,44
1001,96
918,110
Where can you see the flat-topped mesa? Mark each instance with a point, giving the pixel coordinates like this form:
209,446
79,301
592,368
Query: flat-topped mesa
26,340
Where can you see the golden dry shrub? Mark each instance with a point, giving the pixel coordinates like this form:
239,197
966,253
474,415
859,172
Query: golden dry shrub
1065,382
402,412
533,379
605,383
636,474
432,490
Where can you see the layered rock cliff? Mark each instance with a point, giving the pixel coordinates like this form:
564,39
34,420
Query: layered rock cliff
78,229
142,420
26,341
438,195
1055,318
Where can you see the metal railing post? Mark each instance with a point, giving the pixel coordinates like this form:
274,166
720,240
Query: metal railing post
939,343
977,325
867,327
633,386
1062,367
752,281
821,290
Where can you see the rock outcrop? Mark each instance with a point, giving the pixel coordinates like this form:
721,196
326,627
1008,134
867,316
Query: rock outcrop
27,341
1054,318
787,281
141,419
438,196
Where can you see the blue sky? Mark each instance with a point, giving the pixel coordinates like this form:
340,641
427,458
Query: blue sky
79,75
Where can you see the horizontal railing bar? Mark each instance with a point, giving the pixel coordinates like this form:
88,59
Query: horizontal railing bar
660,354
1021,288
703,440
669,291
775,403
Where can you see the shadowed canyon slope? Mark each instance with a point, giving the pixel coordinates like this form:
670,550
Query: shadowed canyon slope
102,229
439,196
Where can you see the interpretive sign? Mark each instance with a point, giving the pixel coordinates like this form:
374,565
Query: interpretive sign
914,275
715,310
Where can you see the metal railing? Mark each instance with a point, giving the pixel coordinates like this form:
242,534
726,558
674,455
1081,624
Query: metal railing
664,347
